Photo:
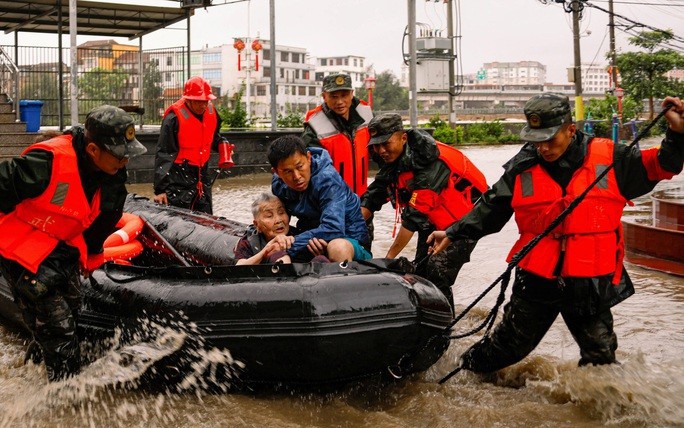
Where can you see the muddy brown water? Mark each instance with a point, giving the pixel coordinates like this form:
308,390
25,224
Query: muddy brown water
547,389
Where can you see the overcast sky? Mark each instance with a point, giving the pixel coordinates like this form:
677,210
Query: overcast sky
491,30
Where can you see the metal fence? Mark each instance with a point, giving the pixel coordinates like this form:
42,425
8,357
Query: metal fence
117,75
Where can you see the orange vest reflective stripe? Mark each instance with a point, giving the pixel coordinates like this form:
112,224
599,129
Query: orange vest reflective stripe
591,235
452,203
349,158
194,136
61,213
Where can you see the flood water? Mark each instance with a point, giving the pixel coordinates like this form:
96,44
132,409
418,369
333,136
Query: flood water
547,389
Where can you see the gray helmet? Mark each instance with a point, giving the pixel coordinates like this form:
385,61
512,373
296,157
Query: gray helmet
114,129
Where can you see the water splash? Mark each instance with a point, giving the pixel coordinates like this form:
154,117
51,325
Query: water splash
136,380
634,392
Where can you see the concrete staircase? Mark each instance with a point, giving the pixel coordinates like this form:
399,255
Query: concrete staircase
13,136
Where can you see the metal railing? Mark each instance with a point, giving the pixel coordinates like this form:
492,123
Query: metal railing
117,75
9,80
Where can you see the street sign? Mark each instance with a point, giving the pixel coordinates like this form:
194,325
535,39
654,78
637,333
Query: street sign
481,74
619,92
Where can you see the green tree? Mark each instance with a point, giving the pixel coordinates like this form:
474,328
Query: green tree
387,95
152,91
643,73
292,119
237,117
102,85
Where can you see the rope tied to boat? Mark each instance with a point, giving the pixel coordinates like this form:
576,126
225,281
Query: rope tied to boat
505,277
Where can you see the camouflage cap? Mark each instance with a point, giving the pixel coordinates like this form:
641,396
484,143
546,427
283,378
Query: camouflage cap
114,129
545,114
382,127
337,82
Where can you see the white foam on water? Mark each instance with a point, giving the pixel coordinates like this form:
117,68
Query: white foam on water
634,392
107,391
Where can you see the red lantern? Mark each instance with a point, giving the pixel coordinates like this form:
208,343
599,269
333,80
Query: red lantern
239,45
256,47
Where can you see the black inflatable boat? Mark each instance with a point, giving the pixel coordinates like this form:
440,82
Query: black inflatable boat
290,324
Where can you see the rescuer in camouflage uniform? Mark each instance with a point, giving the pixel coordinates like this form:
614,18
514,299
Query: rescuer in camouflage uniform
431,184
60,200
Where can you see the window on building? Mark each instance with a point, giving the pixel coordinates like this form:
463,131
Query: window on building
267,71
319,76
295,57
267,54
167,77
169,60
285,56
301,90
282,73
261,90
356,61
324,61
346,61
312,91
296,73
360,62
306,75
211,57
212,74
339,61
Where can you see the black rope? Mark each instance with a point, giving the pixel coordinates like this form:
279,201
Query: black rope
504,278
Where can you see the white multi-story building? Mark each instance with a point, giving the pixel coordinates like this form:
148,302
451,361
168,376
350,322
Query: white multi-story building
351,64
595,78
514,73
296,86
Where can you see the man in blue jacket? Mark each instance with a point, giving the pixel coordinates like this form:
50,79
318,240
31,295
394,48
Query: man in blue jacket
328,212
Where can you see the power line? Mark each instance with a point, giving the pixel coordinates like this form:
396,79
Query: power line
636,23
642,3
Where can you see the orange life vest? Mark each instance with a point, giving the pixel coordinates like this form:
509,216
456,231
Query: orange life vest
350,158
194,136
452,203
591,235
61,213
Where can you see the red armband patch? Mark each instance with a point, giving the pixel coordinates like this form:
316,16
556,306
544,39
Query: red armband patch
424,200
655,172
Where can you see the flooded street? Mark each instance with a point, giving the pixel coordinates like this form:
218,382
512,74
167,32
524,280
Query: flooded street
547,389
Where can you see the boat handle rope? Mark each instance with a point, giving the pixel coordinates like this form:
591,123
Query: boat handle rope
128,279
505,277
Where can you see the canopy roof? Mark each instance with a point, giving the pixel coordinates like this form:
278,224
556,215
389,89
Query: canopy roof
125,19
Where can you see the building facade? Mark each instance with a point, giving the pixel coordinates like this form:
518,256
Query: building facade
513,73
352,65
595,79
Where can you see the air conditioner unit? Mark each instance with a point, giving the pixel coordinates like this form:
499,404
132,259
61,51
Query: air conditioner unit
195,3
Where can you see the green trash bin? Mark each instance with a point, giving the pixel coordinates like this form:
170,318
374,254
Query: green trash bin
29,112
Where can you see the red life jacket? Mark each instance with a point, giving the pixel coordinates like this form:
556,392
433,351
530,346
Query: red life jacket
194,136
591,235
350,158
452,203
61,213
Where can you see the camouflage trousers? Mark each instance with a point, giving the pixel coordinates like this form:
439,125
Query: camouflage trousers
526,319
442,268
49,301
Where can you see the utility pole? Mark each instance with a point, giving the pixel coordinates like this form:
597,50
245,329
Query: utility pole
579,105
452,67
613,54
274,89
413,84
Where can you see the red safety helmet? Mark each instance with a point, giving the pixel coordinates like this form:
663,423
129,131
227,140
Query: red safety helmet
197,88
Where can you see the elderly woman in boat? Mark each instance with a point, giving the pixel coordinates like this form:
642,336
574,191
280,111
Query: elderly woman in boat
271,234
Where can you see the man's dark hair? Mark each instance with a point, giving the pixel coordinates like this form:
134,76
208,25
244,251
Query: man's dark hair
284,147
